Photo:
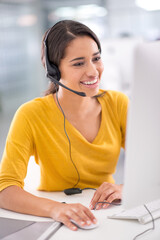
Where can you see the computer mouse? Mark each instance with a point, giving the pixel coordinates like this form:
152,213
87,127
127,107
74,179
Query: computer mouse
85,227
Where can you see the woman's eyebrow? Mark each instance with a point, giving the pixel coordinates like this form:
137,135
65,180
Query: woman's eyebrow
96,53
75,59
81,58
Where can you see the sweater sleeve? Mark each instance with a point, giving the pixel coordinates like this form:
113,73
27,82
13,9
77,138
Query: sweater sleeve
18,149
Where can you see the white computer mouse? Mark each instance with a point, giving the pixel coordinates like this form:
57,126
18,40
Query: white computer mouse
86,227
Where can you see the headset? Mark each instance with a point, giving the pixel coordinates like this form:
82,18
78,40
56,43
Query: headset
52,71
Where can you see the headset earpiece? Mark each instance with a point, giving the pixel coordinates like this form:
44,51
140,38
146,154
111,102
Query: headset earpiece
51,69
54,72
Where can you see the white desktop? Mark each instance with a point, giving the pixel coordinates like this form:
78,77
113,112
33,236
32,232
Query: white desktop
142,159
142,162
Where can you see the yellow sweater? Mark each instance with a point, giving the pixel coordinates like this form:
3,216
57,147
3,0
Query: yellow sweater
38,129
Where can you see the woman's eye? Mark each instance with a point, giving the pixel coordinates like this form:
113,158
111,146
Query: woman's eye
78,64
96,59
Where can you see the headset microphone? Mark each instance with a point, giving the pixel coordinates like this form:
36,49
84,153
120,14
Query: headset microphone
59,83
53,72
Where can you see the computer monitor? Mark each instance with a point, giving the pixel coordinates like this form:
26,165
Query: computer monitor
142,157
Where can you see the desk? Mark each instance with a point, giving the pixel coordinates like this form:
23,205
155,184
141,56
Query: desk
110,229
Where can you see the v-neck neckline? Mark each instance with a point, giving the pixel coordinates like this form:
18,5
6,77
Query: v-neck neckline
95,140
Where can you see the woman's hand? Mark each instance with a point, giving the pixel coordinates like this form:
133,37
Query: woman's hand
80,214
106,192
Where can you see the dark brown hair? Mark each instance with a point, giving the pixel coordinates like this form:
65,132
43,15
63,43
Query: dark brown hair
59,37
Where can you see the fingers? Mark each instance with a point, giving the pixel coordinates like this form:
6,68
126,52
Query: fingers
68,224
106,192
111,199
77,212
101,194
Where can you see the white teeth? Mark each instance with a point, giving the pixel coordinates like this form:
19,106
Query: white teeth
91,82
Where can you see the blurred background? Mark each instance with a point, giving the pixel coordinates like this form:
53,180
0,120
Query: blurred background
120,25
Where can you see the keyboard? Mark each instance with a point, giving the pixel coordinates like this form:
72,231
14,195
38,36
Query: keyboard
140,213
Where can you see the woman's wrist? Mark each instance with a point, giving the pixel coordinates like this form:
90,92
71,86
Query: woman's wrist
52,207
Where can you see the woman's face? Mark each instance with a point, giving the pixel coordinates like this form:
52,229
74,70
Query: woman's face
82,67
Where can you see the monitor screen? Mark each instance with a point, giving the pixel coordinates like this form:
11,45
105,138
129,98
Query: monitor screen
142,156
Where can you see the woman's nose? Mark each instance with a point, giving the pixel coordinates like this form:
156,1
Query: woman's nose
91,70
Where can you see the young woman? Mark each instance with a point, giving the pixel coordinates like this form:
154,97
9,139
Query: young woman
75,139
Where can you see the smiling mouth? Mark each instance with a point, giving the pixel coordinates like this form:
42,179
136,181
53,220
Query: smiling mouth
90,82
